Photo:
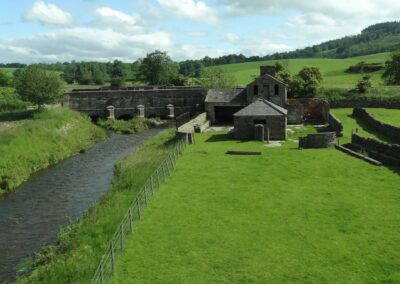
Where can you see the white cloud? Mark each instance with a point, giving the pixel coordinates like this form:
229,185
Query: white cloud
107,17
231,37
191,10
47,14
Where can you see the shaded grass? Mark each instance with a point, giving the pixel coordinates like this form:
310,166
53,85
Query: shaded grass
31,141
288,216
351,124
81,245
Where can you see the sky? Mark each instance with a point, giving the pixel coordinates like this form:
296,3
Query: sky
104,30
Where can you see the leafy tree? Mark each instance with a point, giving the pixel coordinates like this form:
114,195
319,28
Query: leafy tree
84,74
4,79
118,74
364,84
38,86
282,73
158,68
306,83
70,73
99,74
217,78
391,74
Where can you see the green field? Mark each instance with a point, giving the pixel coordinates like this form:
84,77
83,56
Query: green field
287,216
9,71
350,124
332,69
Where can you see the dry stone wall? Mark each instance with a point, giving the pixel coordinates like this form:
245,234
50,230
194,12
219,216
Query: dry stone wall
366,102
335,125
318,140
384,128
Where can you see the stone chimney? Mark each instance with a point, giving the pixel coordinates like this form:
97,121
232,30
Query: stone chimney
270,70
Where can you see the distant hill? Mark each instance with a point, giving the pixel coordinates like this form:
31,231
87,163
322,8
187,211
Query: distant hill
378,38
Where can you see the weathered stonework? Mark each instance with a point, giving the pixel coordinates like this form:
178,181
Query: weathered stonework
335,125
318,140
295,113
126,101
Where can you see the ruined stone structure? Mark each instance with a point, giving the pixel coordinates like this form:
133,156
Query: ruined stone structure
126,103
221,105
318,140
260,113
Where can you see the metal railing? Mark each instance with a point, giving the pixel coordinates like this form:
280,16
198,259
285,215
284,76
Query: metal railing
107,266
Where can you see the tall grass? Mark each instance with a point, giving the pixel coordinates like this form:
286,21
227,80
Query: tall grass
31,141
81,245
9,100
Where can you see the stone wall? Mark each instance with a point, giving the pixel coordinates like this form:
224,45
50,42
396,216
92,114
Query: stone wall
335,125
190,126
318,140
366,102
295,113
388,154
315,110
384,128
126,101
245,127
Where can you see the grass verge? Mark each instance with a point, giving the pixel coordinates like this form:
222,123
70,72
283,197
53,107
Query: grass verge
31,141
287,216
81,245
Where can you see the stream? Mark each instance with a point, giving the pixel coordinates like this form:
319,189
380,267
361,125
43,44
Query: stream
32,215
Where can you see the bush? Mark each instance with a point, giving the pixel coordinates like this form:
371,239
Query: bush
10,101
135,125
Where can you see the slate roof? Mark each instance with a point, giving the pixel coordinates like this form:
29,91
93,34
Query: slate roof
273,78
234,96
262,107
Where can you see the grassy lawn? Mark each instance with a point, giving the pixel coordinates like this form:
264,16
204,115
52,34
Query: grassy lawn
81,245
308,216
332,69
350,123
31,141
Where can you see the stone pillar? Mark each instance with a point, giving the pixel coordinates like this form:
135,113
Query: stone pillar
140,109
110,112
259,132
170,111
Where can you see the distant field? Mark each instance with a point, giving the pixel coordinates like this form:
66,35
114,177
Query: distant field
287,216
9,70
332,69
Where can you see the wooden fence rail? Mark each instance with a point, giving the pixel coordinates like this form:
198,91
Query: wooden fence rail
107,266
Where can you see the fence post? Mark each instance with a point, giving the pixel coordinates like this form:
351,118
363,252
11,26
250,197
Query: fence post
152,183
130,220
151,189
112,258
138,206
101,273
158,178
145,196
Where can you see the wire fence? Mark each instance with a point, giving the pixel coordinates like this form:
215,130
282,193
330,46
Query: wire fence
107,266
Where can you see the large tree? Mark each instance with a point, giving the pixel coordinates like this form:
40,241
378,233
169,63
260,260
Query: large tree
157,68
306,84
391,75
4,79
217,78
38,86
118,74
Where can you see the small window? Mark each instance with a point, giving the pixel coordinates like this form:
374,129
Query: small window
256,90
276,90
260,121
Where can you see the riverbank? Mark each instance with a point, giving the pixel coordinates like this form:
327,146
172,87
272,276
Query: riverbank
31,141
82,244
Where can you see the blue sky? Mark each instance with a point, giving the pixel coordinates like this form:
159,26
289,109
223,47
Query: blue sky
103,30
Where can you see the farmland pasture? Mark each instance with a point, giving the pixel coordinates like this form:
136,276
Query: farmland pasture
332,69
289,215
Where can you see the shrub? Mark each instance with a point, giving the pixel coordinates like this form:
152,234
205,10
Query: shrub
10,101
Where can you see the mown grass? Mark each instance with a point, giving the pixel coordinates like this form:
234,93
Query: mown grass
332,69
351,124
76,257
287,216
31,141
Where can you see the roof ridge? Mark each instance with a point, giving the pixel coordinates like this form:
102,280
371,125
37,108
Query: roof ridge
274,106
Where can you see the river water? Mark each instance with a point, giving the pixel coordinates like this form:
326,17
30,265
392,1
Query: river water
32,215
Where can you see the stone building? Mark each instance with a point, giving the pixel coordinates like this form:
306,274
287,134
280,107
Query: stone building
261,112
221,105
